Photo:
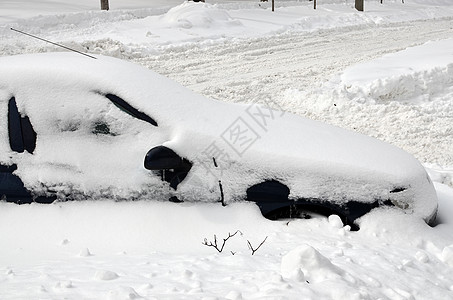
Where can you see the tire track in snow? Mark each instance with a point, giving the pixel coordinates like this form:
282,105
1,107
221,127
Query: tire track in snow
323,53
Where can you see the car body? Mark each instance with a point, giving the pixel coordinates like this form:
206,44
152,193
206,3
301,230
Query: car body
74,127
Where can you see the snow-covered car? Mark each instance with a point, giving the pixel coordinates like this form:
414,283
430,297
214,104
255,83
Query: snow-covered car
74,127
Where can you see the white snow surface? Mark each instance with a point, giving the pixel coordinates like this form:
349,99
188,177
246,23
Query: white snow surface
386,72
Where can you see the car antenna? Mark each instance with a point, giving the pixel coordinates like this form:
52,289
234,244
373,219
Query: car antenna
47,41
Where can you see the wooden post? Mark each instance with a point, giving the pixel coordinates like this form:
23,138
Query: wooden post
359,5
273,6
104,4
314,4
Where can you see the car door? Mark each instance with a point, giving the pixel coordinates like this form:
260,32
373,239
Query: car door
11,187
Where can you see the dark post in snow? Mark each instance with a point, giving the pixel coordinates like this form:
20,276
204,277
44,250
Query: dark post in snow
104,4
359,5
314,4
273,6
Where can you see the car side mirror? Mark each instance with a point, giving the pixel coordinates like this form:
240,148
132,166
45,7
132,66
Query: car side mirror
163,158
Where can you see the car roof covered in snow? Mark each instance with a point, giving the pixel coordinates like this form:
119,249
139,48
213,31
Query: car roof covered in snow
272,144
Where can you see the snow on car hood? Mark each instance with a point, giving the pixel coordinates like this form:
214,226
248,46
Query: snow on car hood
238,144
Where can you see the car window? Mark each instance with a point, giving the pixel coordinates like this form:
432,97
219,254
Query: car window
28,134
21,133
127,108
14,128
102,127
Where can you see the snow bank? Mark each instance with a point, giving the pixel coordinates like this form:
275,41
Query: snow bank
153,29
419,77
403,97
16,11
414,74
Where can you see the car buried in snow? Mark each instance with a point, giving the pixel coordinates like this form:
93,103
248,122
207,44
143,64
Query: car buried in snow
74,128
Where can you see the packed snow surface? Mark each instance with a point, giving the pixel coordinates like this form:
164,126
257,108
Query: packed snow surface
386,73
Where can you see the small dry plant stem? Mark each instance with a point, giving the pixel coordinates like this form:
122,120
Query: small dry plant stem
215,245
255,249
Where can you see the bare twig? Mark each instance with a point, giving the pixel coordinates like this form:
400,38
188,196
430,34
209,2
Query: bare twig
256,249
215,245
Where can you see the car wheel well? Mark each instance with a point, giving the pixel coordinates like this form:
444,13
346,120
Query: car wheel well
272,197
307,211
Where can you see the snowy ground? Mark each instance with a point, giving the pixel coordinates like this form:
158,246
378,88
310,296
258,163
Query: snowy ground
387,73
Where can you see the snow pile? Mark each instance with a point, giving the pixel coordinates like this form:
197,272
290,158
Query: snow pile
194,15
306,263
414,74
105,275
447,255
